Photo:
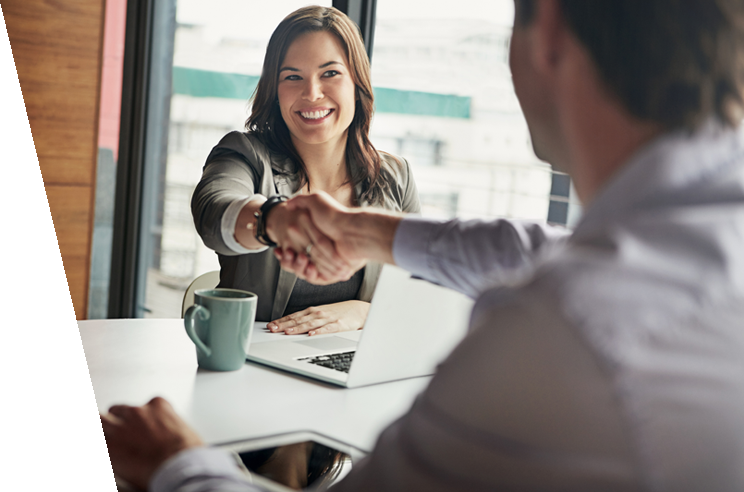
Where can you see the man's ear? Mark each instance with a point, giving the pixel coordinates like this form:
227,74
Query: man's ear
549,35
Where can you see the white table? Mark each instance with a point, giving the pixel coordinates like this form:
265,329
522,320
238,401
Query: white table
131,361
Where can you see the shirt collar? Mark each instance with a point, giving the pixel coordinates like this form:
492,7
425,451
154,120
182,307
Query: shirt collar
671,168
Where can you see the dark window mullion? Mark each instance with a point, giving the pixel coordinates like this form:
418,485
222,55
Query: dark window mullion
363,13
129,171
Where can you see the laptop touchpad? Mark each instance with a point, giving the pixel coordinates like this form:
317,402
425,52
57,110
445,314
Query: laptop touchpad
329,343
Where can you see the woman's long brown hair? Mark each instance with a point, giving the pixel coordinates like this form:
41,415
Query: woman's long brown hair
266,121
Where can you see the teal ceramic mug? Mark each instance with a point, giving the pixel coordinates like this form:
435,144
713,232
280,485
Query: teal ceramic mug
220,324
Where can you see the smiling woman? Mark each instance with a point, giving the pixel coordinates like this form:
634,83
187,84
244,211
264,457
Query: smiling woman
316,92
308,130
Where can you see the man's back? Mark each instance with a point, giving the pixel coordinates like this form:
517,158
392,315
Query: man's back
655,279
619,366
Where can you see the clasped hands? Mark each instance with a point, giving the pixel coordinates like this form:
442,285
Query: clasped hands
324,242
314,238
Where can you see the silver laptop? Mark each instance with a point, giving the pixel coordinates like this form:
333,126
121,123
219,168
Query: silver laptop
411,327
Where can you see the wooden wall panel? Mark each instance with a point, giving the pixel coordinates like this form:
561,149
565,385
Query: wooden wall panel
71,209
57,48
70,206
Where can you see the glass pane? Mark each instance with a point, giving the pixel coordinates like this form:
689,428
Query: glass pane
217,56
108,150
445,101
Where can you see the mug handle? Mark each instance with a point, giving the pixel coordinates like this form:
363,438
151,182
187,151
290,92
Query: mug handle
188,321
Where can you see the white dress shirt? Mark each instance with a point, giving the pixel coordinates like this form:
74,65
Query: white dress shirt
609,360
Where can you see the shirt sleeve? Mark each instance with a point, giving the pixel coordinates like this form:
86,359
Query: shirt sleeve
201,470
229,219
471,255
226,182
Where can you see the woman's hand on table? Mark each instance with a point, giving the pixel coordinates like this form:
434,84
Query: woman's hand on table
317,320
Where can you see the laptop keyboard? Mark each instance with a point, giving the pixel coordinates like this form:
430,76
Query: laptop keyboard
339,362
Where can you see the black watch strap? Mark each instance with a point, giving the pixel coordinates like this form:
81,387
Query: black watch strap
261,214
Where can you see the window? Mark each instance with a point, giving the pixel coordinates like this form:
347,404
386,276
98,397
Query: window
108,152
445,102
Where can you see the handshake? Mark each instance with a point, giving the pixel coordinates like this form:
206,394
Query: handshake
323,242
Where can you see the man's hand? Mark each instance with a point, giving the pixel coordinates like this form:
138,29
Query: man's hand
293,229
329,318
356,235
140,439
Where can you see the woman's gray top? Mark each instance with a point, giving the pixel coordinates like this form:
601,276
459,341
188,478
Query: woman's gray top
241,166
305,294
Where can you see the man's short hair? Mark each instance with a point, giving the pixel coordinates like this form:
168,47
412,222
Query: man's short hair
674,62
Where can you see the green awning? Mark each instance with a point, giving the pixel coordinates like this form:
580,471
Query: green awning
421,103
204,83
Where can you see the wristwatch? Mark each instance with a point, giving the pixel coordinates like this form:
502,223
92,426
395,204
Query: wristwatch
261,235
